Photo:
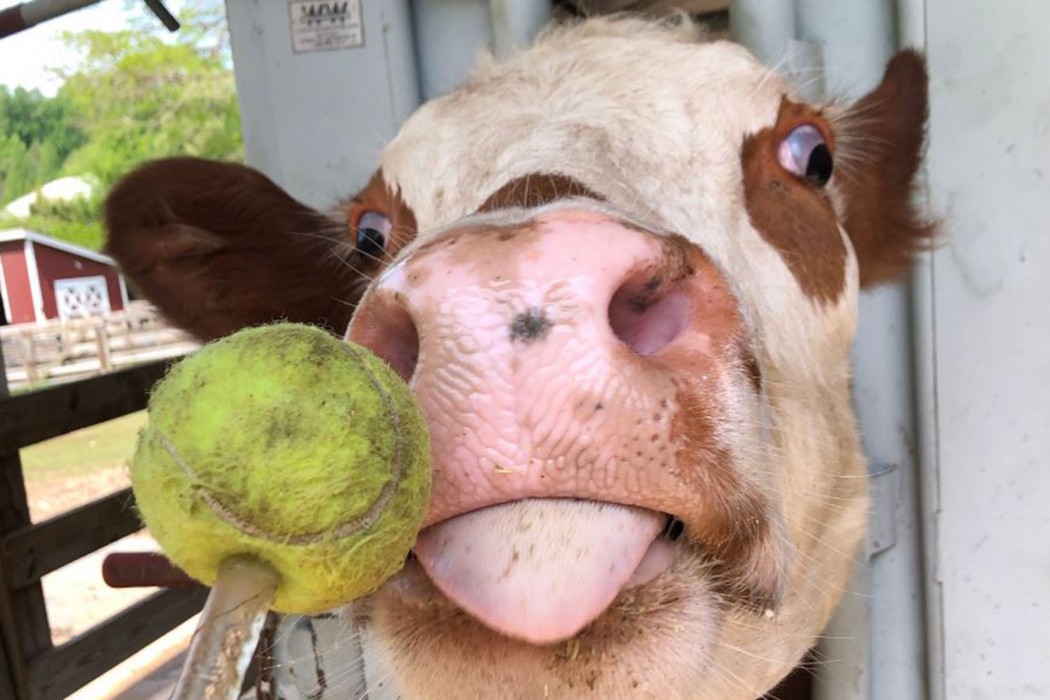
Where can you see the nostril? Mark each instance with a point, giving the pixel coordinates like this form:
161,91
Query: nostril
387,329
647,313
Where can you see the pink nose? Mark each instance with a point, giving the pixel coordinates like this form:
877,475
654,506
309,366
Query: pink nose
534,349
558,365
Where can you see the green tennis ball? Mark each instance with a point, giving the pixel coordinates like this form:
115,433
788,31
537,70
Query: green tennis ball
287,444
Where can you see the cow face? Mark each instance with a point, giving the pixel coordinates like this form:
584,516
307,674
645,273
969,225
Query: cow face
620,272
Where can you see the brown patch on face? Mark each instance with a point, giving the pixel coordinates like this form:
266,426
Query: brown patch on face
736,526
888,127
536,189
676,264
791,214
379,197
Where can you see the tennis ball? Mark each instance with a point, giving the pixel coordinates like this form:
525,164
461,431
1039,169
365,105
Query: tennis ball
286,444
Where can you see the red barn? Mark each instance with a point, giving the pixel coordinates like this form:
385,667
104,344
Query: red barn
44,278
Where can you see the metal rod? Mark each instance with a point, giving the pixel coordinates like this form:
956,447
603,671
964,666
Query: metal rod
142,569
20,17
228,631
162,13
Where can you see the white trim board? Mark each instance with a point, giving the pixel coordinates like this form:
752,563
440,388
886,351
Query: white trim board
17,234
123,291
35,293
5,295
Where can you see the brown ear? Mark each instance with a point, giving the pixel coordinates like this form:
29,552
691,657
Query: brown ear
219,246
880,147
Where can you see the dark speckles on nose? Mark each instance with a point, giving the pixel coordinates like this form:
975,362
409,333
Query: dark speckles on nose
530,326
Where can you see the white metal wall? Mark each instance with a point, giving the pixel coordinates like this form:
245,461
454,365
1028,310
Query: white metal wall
315,121
985,344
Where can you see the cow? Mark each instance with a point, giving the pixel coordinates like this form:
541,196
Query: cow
620,271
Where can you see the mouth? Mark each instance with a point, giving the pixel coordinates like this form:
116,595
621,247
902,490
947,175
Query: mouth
541,570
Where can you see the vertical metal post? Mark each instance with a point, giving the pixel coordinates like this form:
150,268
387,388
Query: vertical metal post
766,27
449,35
911,23
911,28
515,22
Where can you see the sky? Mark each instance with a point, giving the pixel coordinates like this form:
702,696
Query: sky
25,58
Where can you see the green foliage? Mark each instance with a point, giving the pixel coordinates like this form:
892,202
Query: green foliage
34,118
77,220
37,134
135,95
141,97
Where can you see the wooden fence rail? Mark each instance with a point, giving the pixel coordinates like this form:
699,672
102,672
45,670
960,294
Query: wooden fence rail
31,668
61,351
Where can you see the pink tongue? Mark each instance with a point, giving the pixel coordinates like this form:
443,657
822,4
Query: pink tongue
540,570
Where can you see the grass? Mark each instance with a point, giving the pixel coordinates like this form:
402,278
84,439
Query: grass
83,452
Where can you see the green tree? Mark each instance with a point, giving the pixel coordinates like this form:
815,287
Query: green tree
76,221
15,168
37,134
140,95
134,95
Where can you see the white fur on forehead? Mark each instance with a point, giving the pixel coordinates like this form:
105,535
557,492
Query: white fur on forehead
625,106
653,120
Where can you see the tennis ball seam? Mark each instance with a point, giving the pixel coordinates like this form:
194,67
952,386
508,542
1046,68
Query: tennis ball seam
351,527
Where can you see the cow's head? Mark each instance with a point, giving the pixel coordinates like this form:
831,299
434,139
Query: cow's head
620,271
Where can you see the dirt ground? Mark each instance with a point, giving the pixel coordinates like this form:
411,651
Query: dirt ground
55,495
76,595
77,598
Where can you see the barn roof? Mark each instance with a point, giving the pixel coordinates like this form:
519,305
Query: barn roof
21,234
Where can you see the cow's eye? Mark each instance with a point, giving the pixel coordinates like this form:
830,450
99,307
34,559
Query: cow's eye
373,231
805,153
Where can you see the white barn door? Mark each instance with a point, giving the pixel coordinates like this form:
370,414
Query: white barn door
81,297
